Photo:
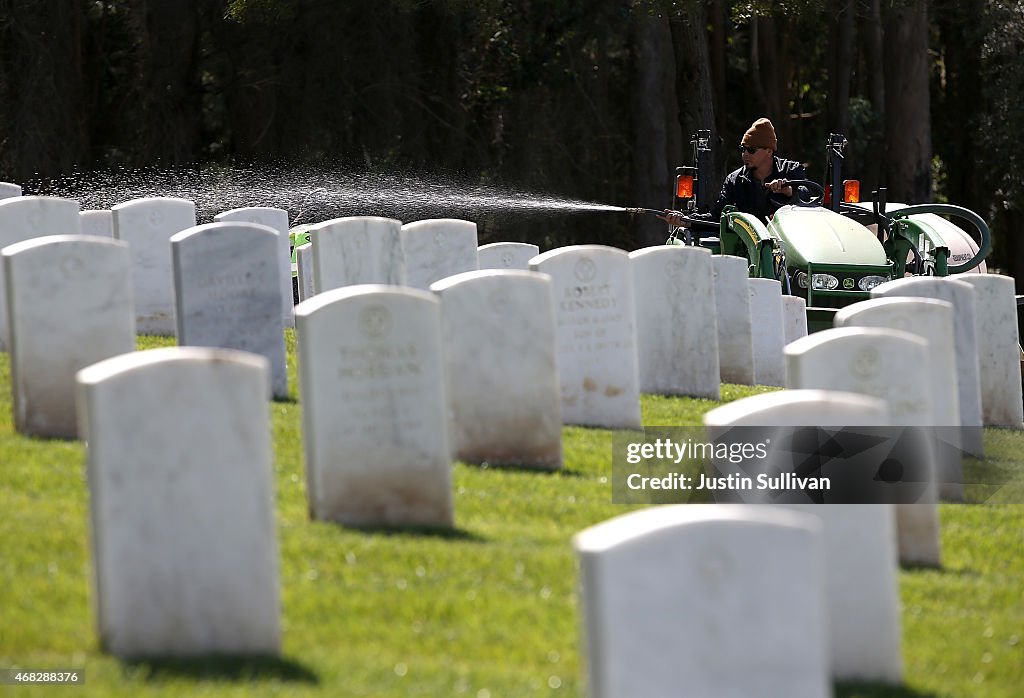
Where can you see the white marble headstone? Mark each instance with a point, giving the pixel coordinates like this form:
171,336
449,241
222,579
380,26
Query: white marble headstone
676,331
26,217
767,331
357,250
794,314
861,582
930,319
506,255
596,339
227,292
184,542
70,306
704,600
732,313
374,422
304,270
961,295
498,329
437,248
147,226
8,190
886,363
98,222
892,365
276,218
998,349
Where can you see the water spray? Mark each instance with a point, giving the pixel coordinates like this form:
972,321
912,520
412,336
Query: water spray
312,194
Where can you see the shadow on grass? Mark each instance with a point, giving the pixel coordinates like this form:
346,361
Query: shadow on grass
221,667
856,689
455,533
526,469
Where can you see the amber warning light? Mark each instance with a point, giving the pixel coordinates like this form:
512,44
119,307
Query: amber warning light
851,191
684,186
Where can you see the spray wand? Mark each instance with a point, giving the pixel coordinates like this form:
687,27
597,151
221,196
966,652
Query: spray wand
635,211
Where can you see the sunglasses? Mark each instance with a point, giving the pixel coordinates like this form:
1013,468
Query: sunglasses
751,149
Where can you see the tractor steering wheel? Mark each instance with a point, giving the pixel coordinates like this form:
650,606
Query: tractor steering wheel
817,192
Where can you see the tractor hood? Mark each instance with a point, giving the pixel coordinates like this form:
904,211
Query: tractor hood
819,235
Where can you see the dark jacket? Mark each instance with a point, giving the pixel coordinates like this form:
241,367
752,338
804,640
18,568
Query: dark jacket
747,194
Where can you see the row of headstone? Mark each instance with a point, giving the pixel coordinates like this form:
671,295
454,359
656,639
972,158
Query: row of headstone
358,250
496,255
146,225
395,381
26,217
986,343
68,306
371,250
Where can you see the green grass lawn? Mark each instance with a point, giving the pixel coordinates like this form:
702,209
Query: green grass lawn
486,611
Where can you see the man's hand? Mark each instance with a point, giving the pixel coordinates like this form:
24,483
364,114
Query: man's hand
779,186
675,219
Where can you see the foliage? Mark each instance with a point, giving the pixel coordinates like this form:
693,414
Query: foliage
1003,120
533,95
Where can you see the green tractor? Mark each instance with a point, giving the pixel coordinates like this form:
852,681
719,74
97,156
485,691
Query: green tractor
830,249
297,237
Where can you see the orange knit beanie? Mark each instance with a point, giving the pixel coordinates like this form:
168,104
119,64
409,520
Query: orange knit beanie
761,134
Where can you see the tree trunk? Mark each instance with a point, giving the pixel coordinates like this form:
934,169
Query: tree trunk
959,97
873,168
694,87
756,77
907,107
45,113
653,105
169,113
717,55
841,32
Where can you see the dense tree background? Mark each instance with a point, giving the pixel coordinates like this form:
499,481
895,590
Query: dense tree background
588,99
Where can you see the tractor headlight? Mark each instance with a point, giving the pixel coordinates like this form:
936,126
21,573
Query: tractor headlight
801,279
824,282
869,282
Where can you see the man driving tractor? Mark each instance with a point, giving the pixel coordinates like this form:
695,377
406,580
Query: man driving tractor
759,187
